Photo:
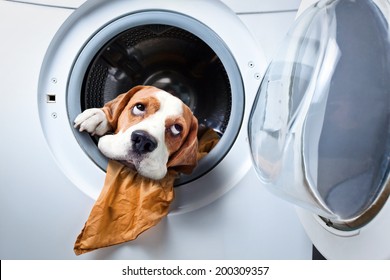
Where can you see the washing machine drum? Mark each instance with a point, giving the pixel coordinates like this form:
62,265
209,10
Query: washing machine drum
171,59
166,57
320,126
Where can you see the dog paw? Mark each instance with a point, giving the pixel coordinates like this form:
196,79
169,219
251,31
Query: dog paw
93,121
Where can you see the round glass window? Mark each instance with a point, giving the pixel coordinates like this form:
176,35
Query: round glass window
174,60
320,126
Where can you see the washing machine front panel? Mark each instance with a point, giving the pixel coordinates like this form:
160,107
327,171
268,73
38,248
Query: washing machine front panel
323,109
80,42
36,200
42,210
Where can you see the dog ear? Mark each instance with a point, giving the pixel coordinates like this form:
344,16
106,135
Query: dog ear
184,160
114,108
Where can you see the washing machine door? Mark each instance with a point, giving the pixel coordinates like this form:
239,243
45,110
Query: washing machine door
320,126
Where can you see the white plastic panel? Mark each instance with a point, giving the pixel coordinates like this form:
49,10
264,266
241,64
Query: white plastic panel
54,3
261,6
269,39
245,6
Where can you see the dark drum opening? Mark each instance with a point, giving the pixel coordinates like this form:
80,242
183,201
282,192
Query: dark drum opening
166,57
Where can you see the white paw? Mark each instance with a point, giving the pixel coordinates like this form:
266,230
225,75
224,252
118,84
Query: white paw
93,121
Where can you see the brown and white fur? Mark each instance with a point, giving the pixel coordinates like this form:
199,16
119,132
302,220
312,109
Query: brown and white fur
153,131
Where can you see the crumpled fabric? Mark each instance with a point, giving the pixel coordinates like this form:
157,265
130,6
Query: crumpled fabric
129,203
208,139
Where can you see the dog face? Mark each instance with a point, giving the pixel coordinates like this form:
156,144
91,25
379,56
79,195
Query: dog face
153,131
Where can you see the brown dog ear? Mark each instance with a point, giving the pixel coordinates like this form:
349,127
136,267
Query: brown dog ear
114,108
184,160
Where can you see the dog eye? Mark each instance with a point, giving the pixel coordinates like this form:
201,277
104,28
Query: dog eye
176,129
138,109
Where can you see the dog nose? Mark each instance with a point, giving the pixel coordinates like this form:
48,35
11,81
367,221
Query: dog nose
143,142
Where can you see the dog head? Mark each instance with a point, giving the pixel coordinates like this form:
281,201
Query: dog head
154,131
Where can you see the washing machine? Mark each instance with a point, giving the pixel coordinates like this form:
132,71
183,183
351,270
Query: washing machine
320,126
59,58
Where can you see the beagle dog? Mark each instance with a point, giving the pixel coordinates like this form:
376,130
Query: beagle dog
152,131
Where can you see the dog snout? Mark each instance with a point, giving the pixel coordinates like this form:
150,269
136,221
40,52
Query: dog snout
143,142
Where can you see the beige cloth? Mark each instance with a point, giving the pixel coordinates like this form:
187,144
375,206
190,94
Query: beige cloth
208,139
129,203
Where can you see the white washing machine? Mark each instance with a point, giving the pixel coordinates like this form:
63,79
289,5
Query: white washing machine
320,127
58,58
